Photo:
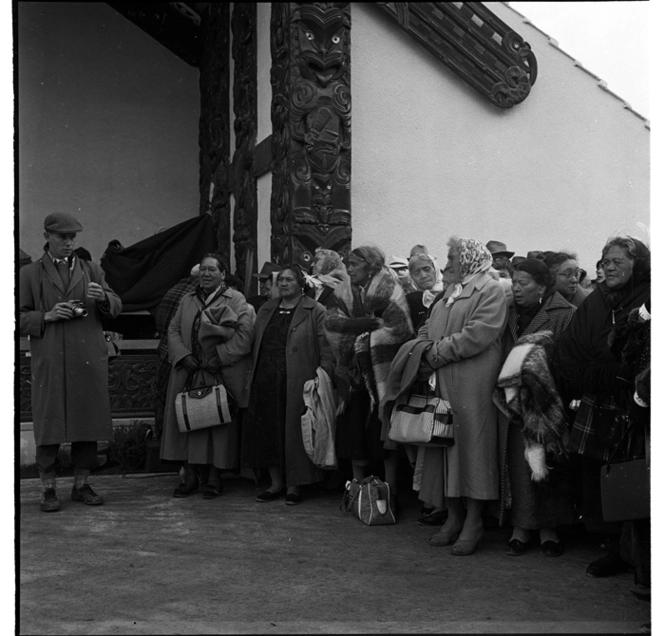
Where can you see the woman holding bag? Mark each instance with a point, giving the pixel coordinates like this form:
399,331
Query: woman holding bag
289,346
209,339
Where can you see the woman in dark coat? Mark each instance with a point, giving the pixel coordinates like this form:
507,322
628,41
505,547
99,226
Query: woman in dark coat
536,504
588,371
209,339
289,346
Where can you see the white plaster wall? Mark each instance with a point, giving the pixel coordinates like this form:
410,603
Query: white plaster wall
432,158
264,63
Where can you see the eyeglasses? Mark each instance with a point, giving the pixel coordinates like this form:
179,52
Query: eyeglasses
570,273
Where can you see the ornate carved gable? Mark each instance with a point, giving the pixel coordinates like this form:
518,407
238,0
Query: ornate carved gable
472,41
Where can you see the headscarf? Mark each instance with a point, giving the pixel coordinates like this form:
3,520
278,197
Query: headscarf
331,261
428,295
474,258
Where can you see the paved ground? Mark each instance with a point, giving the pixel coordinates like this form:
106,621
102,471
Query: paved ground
146,563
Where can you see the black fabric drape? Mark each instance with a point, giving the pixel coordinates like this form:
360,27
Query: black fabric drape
142,273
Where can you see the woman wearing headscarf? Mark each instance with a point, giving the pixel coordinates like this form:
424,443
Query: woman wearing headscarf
209,338
365,326
532,421
588,371
320,285
428,279
465,327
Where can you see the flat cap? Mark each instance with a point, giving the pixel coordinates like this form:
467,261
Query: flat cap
62,222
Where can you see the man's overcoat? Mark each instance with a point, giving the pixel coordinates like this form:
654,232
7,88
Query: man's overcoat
69,358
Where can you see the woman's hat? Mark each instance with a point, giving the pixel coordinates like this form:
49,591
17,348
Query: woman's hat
397,262
498,249
267,270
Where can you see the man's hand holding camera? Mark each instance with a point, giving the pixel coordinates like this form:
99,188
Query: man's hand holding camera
62,311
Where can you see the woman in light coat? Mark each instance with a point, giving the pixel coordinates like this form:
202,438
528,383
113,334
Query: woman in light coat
466,326
209,338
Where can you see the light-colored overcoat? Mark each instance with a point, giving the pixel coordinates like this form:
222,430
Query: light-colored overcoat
466,357
217,445
306,349
69,358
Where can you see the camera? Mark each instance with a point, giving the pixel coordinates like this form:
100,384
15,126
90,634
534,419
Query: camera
78,308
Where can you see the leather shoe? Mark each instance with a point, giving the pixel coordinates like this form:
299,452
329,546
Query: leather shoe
443,538
268,496
607,566
466,547
183,490
86,495
432,519
50,501
515,547
212,491
293,499
552,548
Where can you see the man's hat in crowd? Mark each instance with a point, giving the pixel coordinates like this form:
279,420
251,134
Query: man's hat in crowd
267,270
498,249
397,262
536,254
62,222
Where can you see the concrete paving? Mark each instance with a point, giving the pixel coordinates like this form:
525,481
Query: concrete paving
147,563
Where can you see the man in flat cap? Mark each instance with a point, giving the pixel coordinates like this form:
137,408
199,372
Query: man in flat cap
62,301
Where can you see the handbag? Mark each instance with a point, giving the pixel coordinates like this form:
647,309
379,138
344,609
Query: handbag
370,500
625,487
203,407
422,419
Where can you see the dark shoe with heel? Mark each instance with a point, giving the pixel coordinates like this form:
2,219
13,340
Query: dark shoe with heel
292,499
515,547
212,491
268,495
609,565
50,501
184,490
552,548
86,495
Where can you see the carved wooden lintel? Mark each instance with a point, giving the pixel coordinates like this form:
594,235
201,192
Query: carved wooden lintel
472,41
243,25
311,142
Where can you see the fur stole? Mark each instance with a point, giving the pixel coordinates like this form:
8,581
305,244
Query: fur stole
526,393
371,353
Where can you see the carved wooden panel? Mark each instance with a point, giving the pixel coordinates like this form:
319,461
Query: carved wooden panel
471,40
311,141
130,386
214,133
243,26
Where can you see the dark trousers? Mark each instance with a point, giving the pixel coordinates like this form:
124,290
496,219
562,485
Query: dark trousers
83,455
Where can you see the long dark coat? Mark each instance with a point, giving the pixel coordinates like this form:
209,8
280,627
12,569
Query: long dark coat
306,349
69,363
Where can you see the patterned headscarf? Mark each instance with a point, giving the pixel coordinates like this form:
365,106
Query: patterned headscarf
474,258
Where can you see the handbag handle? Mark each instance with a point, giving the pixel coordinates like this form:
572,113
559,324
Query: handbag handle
628,431
190,379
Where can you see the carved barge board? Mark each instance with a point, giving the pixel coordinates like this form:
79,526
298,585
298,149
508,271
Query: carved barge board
472,41
243,25
214,128
311,142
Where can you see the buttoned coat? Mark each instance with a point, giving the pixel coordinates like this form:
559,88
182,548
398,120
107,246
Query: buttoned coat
217,445
306,349
466,356
69,358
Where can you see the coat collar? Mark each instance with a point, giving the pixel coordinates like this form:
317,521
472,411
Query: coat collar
477,282
76,272
551,304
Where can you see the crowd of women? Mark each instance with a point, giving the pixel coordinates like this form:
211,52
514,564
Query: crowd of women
546,381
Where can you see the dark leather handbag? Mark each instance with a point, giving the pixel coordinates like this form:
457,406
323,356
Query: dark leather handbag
203,406
625,487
